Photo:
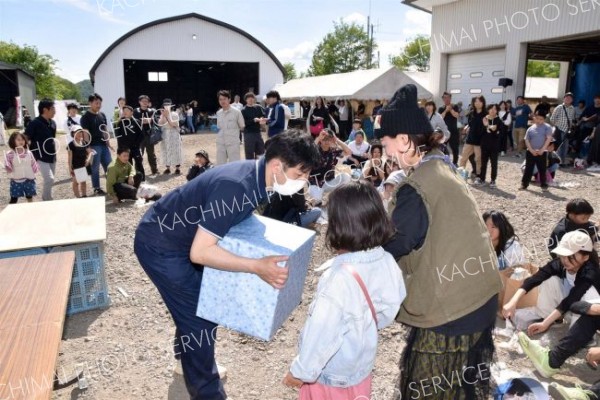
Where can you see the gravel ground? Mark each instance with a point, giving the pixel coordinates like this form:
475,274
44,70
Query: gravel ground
125,349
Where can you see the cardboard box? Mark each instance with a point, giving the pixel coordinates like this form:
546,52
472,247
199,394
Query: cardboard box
510,287
244,302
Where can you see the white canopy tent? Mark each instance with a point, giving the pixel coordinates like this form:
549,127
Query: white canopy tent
363,85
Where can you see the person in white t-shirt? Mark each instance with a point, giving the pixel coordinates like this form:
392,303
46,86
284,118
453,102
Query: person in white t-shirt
2,130
288,114
73,119
360,149
236,103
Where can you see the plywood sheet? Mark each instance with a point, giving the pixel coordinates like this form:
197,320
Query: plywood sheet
34,292
52,223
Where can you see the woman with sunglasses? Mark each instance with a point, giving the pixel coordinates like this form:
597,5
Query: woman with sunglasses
573,276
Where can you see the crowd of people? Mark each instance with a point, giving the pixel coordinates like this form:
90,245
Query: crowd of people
389,194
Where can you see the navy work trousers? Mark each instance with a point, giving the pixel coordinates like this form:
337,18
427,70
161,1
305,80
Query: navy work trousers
178,282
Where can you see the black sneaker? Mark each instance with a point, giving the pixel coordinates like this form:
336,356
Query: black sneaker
99,192
167,171
177,172
545,188
523,187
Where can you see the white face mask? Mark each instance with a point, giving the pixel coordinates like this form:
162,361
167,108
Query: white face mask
290,187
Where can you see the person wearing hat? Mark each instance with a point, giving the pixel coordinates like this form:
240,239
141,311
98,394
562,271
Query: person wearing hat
572,277
563,119
452,280
170,145
130,135
80,156
201,164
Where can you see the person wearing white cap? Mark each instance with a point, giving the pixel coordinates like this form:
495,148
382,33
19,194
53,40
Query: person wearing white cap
573,276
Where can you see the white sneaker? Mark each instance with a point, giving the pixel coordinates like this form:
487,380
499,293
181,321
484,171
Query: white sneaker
222,370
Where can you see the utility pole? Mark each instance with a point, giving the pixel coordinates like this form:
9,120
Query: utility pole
369,38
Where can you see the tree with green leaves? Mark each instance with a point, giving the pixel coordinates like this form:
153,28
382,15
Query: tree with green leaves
346,49
41,66
289,71
543,69
416,54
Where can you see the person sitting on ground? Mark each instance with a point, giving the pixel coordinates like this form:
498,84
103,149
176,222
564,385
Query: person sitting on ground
573,276
360,149
579,212
388,188
505,241
356,127
122,182
292,209
374,169
331,149
201,164
580,335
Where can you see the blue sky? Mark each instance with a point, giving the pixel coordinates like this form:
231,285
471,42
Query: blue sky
76,32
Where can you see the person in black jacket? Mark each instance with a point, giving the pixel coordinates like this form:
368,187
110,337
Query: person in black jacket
292,209
572,277
95,122
202,164
130,135
579,212
474,130
319,114
41,132
147,115
254,145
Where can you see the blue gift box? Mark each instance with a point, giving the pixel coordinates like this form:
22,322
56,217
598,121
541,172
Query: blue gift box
245,303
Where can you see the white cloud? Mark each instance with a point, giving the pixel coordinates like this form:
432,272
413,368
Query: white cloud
355,17
302,51
300,55
104,9
388,48
416,22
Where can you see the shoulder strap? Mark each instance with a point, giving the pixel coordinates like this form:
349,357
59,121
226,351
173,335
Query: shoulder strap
566,115
363,288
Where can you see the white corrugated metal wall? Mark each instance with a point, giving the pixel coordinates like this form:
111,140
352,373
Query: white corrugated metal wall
173,41
476,73
471,25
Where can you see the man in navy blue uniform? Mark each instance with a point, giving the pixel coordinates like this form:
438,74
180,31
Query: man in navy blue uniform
178,235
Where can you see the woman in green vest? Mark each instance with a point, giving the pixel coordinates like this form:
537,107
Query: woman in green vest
448,262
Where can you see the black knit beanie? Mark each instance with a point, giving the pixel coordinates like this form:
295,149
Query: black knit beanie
403,115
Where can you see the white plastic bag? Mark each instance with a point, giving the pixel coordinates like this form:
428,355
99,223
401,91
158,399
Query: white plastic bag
146,191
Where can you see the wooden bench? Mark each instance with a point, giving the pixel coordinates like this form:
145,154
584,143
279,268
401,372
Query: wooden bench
33,299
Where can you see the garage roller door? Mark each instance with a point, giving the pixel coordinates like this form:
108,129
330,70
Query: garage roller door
472,74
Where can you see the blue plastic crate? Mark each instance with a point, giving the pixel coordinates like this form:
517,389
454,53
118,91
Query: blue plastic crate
88,284
22,253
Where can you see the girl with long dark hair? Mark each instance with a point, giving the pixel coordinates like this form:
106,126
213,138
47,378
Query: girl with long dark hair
505,241
474,130
490,143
